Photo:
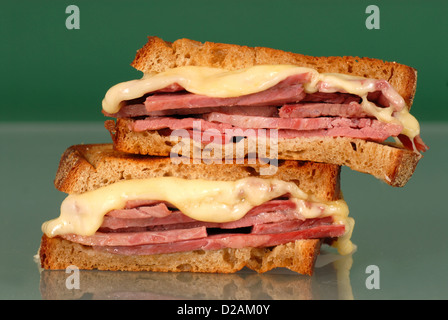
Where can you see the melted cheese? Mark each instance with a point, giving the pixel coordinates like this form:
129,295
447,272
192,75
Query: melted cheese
215,82
204,200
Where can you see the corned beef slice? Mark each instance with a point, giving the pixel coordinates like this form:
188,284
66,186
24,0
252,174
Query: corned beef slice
272,223
270,97
314,110
285,107
138,238
271,211
363,128
139,110
220,241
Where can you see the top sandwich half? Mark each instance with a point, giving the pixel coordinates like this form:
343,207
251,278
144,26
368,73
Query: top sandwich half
231,99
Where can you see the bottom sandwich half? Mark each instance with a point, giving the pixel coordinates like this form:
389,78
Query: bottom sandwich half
135,213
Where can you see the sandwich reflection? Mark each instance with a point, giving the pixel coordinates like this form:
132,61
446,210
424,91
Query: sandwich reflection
331,280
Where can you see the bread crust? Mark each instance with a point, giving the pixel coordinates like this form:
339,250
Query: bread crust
87,167
158,55
299,256
393,165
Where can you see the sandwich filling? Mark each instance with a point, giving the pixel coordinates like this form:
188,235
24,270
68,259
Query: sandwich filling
296,101
167,214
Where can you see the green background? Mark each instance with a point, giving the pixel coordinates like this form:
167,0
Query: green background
56,79
50,73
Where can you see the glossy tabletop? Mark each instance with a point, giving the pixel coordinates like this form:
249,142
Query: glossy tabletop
399,233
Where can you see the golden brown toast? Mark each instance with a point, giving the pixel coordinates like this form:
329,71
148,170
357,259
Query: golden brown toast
388,162
158,55
298,256
393,165
88,167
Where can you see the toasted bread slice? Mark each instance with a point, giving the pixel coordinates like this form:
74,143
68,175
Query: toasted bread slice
158,55
88,167
393,165
298,256
390,163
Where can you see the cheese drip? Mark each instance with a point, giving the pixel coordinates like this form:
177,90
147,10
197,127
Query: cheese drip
216,82
203,200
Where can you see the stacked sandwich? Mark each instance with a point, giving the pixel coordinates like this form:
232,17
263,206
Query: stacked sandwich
227,156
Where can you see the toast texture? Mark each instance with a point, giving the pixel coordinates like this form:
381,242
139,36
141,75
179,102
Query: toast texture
88,167
387,162
390,164
299,256
158,55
